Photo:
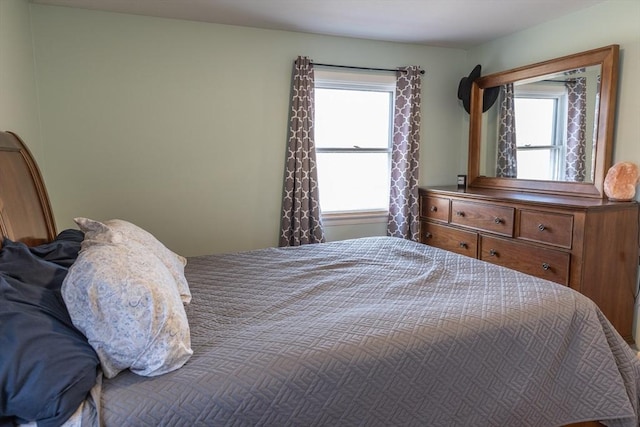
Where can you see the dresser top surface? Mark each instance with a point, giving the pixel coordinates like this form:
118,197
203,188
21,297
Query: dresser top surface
523,197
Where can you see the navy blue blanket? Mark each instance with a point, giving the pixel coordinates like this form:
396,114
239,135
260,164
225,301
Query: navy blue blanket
47,367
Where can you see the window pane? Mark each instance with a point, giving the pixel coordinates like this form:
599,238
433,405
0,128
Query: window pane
348,118
535,164
535,121
353,181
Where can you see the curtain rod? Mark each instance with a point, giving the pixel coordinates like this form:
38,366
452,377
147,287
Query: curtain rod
361,68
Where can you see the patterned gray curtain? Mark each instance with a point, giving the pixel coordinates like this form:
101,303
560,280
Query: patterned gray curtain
594,143
575,159
300,223
507,165
403,218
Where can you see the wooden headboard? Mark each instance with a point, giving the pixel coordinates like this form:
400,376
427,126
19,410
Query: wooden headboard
25,210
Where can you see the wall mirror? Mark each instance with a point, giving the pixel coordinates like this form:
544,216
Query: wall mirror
551,130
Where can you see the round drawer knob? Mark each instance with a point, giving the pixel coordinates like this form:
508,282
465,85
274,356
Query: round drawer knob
545,266
427,235
497,220
492,252
463,245
459,213
541,227
434,209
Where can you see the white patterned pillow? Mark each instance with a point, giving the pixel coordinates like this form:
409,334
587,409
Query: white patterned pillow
123,298
122,232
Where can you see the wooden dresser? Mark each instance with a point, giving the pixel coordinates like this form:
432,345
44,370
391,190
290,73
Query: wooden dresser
588,244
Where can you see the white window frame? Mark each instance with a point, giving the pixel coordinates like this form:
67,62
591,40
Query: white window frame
558,147
360,81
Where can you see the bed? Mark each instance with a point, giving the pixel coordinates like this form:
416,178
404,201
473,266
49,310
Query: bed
371,332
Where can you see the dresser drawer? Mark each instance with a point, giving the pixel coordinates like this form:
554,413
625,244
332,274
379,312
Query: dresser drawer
448,238
435,208
546,227
548,264
482,216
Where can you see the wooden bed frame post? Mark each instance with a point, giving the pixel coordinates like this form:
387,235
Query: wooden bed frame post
25,210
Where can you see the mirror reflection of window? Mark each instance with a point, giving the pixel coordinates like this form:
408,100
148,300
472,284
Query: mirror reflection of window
540,138
568,152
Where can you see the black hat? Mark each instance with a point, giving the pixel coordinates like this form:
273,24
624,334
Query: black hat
464,91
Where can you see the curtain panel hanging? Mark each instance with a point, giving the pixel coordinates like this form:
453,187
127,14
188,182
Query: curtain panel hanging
507,163
594,141
403,220
576,155
301,223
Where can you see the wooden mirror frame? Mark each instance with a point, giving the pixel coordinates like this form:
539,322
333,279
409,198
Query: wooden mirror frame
607,58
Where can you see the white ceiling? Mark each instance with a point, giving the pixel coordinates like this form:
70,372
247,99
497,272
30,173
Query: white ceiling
447,23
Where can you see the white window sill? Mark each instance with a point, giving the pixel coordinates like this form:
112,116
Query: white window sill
353,218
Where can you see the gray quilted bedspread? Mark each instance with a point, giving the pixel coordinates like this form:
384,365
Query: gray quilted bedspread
382,332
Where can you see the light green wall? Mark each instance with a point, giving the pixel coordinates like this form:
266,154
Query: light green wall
611,22
181,126
18,95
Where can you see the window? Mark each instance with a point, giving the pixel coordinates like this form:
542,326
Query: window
539,132
353,134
